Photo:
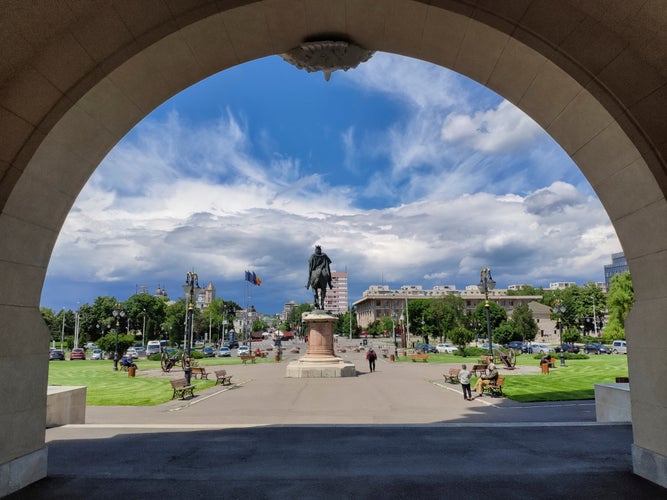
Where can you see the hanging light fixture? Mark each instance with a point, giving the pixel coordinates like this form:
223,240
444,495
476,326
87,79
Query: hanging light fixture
327,56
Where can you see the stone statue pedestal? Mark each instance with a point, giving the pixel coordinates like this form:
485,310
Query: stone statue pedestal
320,360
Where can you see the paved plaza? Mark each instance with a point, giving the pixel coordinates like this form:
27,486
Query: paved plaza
400,432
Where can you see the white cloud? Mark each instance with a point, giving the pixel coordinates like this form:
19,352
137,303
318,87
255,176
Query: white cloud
501,130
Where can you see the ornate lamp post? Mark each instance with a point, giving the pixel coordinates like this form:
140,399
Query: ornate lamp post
486,283
558,310
191,289
118,313
393,329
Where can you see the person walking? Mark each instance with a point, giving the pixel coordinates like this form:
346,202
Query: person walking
371,357
464,378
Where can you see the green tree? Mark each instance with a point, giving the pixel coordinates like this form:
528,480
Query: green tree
51,321
343,326
108,343
497,316
294,318
259,325
141,305
446,314
174,322
525,326
571,335
503,333
461,337
620,299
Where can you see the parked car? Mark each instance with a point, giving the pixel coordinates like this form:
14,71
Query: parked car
132,353
541,348
141,352
77,353
425,348
224,352
485,346
90,345
446,348
56,355
567,348
619,347
518,345
97,354
243,350
209,352
596,348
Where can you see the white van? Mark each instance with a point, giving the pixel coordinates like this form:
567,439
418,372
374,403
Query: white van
619,347
152,347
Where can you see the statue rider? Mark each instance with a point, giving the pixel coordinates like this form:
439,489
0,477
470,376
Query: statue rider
319,275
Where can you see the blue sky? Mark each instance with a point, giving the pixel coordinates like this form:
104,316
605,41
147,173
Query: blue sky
404,172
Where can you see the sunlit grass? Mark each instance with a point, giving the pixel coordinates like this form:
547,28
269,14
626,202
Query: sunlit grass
106,387
109,388
574,381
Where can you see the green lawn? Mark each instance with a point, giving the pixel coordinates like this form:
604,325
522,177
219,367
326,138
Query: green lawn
574,381
109,388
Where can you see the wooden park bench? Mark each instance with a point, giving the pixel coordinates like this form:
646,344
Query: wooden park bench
453,376
222,377
181,388
245,359
421,357
495,389
478,369
199,371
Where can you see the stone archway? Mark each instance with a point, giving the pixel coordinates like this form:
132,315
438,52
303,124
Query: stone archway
73,81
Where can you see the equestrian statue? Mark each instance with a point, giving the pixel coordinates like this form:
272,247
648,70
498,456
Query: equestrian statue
319,276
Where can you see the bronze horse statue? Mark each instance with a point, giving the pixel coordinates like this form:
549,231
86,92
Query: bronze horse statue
319,276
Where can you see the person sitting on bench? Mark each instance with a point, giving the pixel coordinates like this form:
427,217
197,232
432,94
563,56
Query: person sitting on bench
127,362
487,378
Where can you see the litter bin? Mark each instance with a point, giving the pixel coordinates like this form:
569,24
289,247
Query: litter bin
131,371
391,357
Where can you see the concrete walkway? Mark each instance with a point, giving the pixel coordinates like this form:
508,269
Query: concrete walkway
400,432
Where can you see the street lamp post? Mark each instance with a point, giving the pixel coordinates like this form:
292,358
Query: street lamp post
118,313
62,332
101,328
423,334
143,331
486,283
559,309
191,289
393,329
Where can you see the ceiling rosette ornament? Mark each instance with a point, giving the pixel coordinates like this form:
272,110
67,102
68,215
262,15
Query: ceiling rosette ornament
327,56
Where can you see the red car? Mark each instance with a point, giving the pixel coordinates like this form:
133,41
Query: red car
77,353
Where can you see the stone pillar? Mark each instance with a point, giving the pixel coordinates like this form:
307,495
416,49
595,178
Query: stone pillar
320,360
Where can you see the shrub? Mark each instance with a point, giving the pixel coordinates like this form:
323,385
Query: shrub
568,355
